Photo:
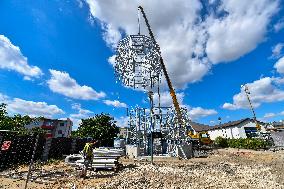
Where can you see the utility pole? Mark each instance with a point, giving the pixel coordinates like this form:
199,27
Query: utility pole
247,92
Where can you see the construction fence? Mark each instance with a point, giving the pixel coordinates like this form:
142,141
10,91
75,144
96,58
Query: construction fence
18,149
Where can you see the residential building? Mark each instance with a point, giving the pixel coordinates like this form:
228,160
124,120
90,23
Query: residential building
279,125
243,128
123,132
55,127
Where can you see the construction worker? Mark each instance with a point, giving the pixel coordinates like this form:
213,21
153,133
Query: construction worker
88,156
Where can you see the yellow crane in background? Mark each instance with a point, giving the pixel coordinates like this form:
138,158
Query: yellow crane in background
247,92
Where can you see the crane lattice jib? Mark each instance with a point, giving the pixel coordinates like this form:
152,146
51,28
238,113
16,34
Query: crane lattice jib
172,91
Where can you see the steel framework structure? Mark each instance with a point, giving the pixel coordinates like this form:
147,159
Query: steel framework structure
139,64
164,122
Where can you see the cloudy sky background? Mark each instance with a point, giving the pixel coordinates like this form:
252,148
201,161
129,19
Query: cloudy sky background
56,58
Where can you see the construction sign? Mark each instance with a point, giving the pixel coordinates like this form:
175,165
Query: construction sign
5,145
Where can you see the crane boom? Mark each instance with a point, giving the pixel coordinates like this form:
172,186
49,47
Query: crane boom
251,107
172,91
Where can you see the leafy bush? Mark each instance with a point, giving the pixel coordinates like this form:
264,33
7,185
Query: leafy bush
244,143
221,142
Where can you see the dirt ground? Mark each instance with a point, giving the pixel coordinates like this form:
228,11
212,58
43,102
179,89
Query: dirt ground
226,168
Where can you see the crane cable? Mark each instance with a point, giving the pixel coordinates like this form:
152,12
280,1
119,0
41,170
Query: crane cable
172,91
138,12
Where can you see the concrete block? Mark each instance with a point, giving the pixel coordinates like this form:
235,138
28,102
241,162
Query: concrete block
132,151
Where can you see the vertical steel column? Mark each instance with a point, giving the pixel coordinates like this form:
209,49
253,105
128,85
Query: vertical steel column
139,131
136,128
150,93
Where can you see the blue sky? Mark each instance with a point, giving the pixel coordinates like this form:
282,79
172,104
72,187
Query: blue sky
55,56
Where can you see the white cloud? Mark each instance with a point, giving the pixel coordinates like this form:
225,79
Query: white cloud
193,112
122,121
115,103
229,106
111,35
166,99
3,98
263,90
198,112
11,58
20,106
111,60
188,43
62,83
80,3
276,50
240,31
81,114
33,108
269,115
279,25
279,65
272,115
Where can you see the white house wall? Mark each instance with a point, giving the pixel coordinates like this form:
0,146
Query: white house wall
215,133
234,132
242,130
65,130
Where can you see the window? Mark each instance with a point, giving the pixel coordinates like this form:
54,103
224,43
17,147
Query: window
60,132
250,132
204,135
49,123
61,124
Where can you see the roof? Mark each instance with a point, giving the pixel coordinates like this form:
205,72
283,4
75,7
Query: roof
198,127
277,124
230,123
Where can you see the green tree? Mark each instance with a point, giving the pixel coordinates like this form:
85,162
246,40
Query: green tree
74,134
5,120
102,127
17,122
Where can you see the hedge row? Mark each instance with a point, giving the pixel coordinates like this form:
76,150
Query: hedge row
244,143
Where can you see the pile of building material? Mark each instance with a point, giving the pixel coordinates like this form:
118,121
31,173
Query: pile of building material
104,158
